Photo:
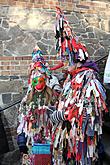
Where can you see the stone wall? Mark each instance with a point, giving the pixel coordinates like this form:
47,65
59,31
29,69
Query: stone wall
11,91
24,24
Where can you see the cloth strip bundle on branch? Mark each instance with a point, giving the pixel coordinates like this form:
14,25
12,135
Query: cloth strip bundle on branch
77,122
67,43
34,126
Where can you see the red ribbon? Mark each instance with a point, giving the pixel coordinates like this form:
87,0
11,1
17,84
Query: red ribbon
73,113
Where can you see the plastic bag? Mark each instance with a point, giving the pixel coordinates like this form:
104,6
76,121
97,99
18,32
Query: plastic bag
107,72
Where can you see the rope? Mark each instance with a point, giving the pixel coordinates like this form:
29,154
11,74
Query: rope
9,106
101,58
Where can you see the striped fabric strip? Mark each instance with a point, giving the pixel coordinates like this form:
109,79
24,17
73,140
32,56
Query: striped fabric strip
57,116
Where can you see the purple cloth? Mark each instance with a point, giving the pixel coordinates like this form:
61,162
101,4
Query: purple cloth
91,65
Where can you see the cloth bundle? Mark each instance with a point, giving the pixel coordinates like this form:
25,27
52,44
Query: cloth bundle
68,46
82,102
33,122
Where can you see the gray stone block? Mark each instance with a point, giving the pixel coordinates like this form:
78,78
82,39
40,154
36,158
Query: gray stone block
0,20
9,117
4,10
36,35
84,36
43,47
16,96
4,35
11,86
45,35
51,35
48,42
89,29
11,158
3,139
105,44
90,50
1,48
14,77
100,52
90,40
1,101
79,30
11,145
91,35
101,35
79,15
7,52
73,19
84,23
4,77
6,98
53,51
5,24
15,31
16,46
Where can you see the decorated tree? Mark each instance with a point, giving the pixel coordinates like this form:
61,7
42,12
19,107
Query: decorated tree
78,119
34,126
